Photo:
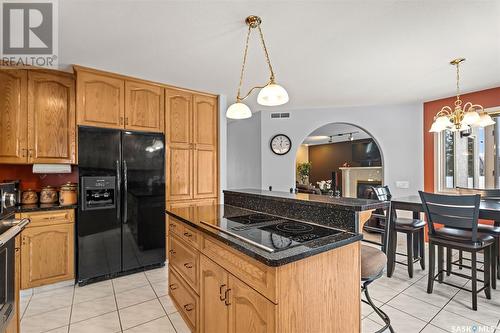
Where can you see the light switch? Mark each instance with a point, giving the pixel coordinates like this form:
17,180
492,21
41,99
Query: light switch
402,184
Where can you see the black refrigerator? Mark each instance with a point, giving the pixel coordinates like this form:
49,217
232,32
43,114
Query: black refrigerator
121,211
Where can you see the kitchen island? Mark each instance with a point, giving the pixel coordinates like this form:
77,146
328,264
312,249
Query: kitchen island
236,268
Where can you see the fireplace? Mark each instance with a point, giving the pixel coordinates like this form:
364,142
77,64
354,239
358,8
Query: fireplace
364,188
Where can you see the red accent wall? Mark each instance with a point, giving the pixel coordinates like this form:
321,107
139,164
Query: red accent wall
36,181
487,98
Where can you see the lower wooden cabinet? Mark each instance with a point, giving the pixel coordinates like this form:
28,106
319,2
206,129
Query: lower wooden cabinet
14,325
185,299
47,250
229,305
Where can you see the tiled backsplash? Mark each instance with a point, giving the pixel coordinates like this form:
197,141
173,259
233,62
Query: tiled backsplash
29,180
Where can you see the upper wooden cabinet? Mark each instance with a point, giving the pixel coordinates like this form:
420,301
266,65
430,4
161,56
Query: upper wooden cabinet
51,112
13,116
100,99
37,118
179,116
144,109
205,120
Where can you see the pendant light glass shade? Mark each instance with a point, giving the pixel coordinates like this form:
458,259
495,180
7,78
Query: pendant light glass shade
444,122
436,128
272,95
485,120
470,117
238,110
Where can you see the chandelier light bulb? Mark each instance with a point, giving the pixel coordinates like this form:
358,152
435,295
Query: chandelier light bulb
238,110
272,95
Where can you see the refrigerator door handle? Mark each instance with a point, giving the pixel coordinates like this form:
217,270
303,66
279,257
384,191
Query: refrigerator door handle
125,192
118,189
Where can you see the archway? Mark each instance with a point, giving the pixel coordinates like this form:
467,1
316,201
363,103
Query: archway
341,158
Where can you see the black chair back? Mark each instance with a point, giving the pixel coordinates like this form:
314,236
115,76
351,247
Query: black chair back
382,193
455,211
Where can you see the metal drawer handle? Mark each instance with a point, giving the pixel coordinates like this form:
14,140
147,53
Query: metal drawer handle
172,226
188,265
222,298
226,297
172,252
188,235
189,307
173,286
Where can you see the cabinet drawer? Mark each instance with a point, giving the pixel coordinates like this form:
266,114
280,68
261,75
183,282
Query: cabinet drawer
42,218
191,236
185,260
185,300
174,226
257,275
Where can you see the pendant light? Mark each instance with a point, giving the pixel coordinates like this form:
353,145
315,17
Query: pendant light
270,94
460,118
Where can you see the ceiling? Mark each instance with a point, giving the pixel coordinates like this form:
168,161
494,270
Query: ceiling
326,53
322,134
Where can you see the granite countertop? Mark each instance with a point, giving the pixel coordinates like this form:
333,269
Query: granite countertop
353,204
42,207
217,214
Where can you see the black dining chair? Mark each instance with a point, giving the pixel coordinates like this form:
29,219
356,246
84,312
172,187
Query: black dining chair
493,230
414,229
453,224
373,262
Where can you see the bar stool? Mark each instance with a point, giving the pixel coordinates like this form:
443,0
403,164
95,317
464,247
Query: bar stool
373,262
459,217
413,228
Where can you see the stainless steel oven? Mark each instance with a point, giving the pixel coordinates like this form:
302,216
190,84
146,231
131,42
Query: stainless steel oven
9,228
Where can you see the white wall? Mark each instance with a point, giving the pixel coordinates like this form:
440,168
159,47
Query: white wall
244,153
396,128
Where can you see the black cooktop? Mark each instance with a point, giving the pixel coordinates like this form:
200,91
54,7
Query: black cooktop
273,233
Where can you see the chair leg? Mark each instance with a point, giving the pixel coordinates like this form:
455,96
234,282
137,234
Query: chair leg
378,311
440,264
448,261
460,259
494,263
421,240
487,271
432,264
474,280
391,251
416,245
409,253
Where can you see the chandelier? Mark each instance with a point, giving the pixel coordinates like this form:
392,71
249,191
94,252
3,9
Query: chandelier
460,118
270,94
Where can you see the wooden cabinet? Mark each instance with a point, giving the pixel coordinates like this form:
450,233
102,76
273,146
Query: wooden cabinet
192,141
144,110
37,119
229,305
185,259
13,116
51,112
185,299
47,248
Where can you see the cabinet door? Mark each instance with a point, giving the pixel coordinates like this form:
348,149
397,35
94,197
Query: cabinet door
13,116
205,168
51,114
178,110
249,311
14,326
100,100
179,173
47,255
144,107
213,286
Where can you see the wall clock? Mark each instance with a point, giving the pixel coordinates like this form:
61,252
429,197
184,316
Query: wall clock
280,144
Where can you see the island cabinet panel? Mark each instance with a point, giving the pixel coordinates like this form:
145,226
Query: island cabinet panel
185,260
13,116
214,316
52,124
144,110
100,99
249,311
184,299
47,248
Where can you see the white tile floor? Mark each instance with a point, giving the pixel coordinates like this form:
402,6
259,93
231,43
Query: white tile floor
139,303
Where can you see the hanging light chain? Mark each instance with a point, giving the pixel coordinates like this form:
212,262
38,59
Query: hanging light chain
458,102
238,97
266,53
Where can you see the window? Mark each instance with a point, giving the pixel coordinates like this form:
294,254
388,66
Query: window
469,161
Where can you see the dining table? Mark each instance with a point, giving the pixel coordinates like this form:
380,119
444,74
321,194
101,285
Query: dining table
489,209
